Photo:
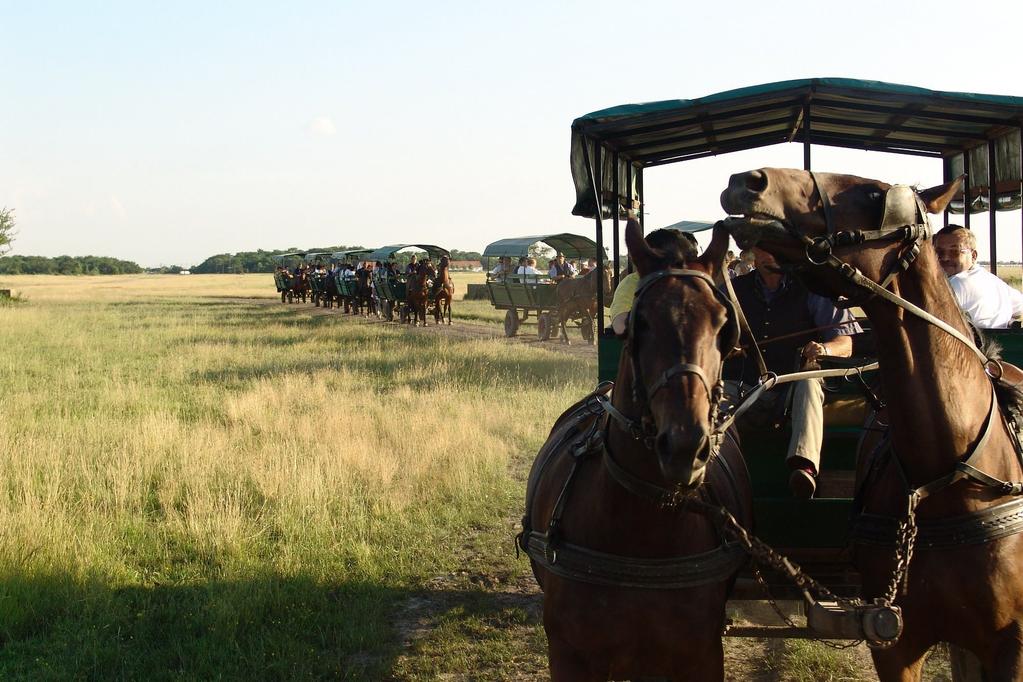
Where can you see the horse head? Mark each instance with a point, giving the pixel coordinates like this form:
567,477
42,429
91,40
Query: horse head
802,218
681,329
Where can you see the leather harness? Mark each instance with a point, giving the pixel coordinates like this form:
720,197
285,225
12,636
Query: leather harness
550,550
910,231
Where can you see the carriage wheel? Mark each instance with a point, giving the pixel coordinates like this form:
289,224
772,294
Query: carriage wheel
544,325
965,665
586,328
511,323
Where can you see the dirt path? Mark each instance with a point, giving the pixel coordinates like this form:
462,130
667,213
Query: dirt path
457,328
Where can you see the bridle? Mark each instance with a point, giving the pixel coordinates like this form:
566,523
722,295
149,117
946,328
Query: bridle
728,339
909,231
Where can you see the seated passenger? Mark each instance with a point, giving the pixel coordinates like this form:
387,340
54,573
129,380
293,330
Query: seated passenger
777,309
413,265
988,301
559,269
663,240
502,269
528,267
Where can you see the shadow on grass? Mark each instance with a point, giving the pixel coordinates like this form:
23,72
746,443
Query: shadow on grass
267,627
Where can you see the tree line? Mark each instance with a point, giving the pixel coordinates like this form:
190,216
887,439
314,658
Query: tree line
67,265
262,261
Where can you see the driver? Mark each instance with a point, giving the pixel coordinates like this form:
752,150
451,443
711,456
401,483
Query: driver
793,327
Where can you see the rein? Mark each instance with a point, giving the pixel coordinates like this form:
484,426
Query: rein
970,528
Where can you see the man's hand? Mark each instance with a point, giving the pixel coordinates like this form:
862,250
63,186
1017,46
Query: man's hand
814,350
838,347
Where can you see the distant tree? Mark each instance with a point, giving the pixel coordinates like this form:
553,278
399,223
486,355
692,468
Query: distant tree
67,265
6,229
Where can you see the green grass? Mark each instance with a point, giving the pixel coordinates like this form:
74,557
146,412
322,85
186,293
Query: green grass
201,489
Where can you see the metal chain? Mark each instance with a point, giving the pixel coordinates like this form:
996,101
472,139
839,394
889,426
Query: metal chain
905,542
763,553
788,621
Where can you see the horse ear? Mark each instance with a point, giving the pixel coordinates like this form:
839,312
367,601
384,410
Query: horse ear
937,198
713,258
642,255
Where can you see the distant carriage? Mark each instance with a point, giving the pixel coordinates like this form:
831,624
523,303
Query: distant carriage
537,295
318,280
393,288
350,297
284,280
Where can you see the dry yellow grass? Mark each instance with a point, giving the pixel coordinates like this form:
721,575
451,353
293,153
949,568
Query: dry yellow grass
267,481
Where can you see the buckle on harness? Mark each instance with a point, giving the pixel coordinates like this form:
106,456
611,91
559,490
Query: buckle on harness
821,248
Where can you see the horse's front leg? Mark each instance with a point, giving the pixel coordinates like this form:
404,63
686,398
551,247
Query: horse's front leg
569,665
904,662
1006,658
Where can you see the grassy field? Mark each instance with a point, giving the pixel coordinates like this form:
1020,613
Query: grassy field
202,488
201,484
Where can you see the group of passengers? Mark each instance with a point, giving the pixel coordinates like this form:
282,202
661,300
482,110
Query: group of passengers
558,268
795,328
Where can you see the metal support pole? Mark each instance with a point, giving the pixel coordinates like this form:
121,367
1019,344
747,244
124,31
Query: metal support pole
966,189
946,172
991,202
629,178
595,171
616,228
642,199
806,136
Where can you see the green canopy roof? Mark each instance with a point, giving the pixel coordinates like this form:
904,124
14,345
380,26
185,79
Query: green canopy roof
385,252
313,256
689,226
572,245
840,112
356,253
284,256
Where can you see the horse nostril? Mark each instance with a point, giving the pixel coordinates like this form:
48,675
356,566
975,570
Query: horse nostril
756,181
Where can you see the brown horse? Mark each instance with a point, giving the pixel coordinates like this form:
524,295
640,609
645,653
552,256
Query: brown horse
418,292
443,291
610,523
941,412
299,285
577,297
363,303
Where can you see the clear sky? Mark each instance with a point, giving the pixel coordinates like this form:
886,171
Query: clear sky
167,132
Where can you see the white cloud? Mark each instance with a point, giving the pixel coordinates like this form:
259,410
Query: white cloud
321,126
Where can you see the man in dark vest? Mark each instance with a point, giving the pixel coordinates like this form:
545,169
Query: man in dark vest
559,269
806,327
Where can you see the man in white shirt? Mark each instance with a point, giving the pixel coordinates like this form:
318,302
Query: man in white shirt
529,268
988,301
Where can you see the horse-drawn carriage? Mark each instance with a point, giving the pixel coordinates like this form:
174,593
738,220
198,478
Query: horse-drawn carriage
408,291
914,537
316,263
537,295
351,298
290,285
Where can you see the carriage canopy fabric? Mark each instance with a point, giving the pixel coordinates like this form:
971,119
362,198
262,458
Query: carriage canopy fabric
344,255
841,112
284,256
385,252
572,245
689,226
314,256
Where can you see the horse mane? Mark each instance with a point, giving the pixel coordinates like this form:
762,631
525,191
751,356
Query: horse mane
1008,395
